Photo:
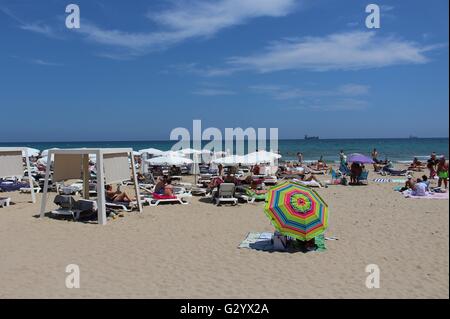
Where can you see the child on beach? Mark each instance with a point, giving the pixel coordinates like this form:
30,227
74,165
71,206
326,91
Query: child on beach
431,165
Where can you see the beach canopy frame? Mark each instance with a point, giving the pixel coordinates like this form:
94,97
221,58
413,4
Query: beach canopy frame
113,167
11,165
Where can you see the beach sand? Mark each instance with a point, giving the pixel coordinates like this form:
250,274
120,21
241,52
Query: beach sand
178,251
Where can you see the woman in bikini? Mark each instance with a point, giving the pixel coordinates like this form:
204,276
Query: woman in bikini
117,196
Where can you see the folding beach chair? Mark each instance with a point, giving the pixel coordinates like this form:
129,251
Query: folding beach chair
363,178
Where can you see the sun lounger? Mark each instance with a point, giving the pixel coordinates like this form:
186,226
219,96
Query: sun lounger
124,206
70,207
226,194
157,199
251,196
5,201
387,170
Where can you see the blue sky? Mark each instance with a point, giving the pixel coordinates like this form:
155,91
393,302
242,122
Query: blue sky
306,67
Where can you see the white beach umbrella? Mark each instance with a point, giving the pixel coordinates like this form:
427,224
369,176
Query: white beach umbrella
261,157
169,160
43,160
152,151
230,160
32,152
45,152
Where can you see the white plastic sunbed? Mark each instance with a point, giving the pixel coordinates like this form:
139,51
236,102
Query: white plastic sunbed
5,201
180,198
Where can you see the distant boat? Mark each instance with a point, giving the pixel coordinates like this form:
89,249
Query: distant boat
311,137
413,137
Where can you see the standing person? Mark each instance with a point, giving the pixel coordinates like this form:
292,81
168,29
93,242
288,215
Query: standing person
300,158
220,169
442,172
431,165
375,155
342,157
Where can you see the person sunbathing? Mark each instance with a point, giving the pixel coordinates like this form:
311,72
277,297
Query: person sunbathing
117,196
160,185
168,188
416,165
420,188
409,184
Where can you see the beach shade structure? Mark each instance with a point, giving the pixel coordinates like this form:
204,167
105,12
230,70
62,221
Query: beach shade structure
113,167
11,165
359,158
296,211
151,151
230,160
30,152
261,157
169,161
45,152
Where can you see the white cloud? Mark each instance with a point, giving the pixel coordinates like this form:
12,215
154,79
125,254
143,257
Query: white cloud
340,51
347,97
37,27
188,19
280,92
44,63
213,92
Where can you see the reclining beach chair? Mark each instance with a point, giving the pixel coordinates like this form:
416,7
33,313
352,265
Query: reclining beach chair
226,194
250,196
157,199
70,207
363,178
388,170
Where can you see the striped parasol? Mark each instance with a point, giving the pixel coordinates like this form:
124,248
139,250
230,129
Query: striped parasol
296,211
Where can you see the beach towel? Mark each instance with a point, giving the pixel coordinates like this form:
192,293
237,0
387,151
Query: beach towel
263,242
429,195
389,180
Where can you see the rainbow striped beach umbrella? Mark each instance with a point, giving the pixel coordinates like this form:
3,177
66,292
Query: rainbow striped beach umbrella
296,211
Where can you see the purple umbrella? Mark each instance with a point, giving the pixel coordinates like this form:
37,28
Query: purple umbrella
359,158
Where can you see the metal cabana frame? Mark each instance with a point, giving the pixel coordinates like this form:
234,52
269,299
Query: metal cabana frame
66,162
11,164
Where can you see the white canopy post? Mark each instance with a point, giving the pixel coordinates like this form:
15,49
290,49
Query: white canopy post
30,178
86,176
45,192
136,182
101,198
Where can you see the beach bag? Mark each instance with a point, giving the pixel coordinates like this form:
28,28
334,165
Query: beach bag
279,241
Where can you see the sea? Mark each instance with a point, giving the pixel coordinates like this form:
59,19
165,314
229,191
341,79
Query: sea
400,150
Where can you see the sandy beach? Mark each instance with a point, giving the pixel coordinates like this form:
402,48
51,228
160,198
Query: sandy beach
179,251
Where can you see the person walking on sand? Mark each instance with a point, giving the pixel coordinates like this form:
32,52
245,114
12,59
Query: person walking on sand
442,172
300,158
431,165
375,156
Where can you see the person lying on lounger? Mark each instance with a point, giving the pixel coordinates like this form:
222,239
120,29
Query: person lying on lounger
117,196
416,165
168,188
160,185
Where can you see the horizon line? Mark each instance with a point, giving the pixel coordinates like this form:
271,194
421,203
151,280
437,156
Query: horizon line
281,139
